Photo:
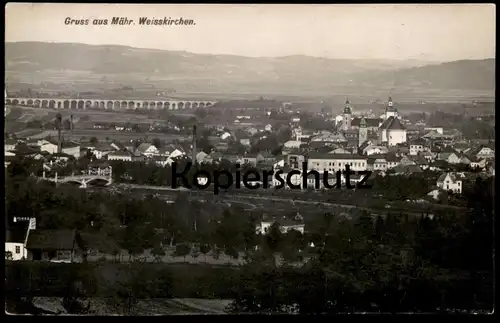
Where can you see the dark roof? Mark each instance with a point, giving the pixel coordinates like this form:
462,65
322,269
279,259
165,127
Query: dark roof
16,232
370,122
314,155
407,169
391,157
392,123
23,151
419,141
51,239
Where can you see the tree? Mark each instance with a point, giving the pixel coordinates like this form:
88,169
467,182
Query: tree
204,249
132,241
231,252
195,253
215,252
93,140
158,252
182,250
272,240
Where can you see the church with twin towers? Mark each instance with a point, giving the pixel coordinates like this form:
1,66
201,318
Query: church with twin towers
386,130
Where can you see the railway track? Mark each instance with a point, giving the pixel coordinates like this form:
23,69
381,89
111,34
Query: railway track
417,210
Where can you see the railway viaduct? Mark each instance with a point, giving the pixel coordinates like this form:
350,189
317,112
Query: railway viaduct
108,104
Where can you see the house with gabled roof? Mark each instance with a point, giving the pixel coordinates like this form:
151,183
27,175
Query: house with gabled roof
17,232
417,146
147,149
100,150
419,161
482,152
450,182
392,160
55,245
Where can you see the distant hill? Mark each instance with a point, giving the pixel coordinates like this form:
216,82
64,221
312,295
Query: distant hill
59,62
460,75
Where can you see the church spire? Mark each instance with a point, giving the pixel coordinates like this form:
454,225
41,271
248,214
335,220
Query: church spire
347,107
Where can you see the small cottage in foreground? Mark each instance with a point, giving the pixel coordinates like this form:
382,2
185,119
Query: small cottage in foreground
56,246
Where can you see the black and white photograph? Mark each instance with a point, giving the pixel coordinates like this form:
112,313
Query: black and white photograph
232,159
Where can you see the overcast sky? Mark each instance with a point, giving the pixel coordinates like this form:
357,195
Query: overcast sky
424,32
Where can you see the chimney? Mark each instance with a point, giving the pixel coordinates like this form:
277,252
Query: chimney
58,125
194,145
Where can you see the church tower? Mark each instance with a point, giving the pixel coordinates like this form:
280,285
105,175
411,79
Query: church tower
390,109
363,132
347,116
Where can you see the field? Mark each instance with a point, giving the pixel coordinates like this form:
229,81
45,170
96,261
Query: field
101,135
18,117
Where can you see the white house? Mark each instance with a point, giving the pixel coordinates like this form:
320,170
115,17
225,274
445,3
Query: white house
17,235
121,155
101,151
147,149
49,147
176,153
417,147
203,157
380,164
334,162
292,144
245,142
225,135
450,182
439,130
284,225
485,152
455,158
252,131
435,194
10,144
375,150
68,148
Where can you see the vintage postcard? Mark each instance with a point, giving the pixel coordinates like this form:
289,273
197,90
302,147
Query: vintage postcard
167,159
